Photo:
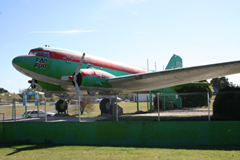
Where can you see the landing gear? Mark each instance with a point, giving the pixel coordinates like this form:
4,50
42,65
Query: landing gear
108,106
61,106
105,106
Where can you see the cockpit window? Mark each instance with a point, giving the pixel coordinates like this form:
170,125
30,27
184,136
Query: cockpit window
46,54
40,53
37,53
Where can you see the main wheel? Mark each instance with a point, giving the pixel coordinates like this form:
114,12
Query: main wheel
105,106
61,105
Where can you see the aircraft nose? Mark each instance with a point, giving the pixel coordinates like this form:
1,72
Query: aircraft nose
20,61
17,61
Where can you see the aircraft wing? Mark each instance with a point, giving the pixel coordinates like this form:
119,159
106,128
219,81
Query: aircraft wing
168,78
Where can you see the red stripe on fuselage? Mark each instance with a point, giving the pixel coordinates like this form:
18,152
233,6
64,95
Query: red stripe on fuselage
93,61
28,55
97,73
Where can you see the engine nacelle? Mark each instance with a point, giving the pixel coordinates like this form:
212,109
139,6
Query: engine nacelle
94,77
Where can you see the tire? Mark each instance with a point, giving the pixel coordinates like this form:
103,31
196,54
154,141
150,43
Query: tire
60,107
105,106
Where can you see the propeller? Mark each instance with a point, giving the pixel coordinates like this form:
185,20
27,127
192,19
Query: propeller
74,78
32,83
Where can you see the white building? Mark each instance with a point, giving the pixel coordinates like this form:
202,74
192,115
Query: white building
141,97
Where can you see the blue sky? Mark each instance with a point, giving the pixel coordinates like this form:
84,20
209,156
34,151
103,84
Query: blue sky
128,31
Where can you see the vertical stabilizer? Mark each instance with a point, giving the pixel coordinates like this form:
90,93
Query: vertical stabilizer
175,62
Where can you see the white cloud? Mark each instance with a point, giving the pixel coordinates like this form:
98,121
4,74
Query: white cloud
6,81
125,2
134,13
139,33
65,32
101,17
120,3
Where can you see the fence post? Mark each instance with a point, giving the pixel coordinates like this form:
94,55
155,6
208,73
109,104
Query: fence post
38,109
79,106
45,108
137,103
13,107
164,102
150,100
24,104
3,127
208,106
37,104
147,104
158,107
116,108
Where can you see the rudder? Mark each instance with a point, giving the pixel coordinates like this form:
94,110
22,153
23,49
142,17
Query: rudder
175,62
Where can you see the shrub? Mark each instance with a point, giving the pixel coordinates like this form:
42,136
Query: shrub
196,96
227,104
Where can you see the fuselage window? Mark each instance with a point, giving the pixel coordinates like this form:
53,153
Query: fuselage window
37,53
33,52
46,54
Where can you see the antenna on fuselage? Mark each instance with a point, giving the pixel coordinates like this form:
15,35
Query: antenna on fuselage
147,66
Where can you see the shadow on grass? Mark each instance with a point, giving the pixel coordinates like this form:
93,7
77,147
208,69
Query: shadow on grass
19,147
25,147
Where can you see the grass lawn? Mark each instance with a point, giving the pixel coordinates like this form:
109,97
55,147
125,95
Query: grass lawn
50,151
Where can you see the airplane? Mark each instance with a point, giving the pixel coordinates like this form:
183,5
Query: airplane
70,72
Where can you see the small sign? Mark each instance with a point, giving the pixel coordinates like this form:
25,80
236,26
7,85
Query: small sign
30,93
36,99
24,100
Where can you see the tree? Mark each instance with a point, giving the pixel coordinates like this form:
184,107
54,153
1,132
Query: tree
227,103
196,95
87,105
2,90
220,83
23,91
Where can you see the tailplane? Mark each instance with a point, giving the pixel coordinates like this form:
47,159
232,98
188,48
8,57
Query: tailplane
175,62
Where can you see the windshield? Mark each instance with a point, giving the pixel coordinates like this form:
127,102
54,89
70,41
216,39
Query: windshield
37,53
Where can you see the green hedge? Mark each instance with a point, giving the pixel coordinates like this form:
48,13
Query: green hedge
227,104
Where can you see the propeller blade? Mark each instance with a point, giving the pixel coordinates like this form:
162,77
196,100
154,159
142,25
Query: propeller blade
79,65
78,91
33,82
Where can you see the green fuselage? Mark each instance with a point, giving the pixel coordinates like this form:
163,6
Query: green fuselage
47,65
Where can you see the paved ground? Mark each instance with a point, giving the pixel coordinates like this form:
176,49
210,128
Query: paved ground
59,118
179,112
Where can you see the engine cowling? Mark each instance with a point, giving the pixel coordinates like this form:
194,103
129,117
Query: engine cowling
95,78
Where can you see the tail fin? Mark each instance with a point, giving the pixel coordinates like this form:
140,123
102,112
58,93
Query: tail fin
175,62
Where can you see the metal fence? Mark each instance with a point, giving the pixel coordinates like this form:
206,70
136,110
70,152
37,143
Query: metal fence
197,105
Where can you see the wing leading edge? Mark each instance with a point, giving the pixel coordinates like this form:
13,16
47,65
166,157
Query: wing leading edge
169,78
